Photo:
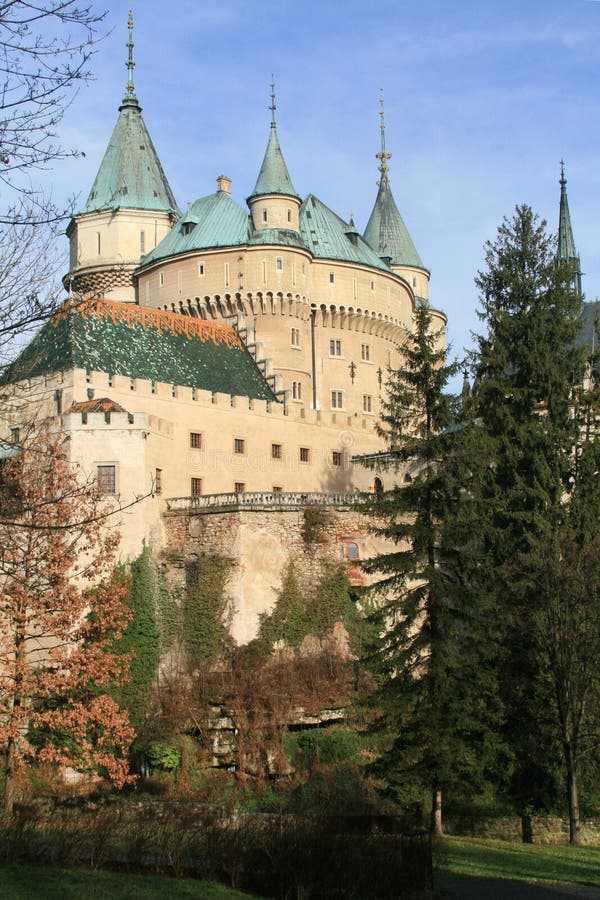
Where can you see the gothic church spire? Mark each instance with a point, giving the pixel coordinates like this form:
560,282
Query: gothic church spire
566,245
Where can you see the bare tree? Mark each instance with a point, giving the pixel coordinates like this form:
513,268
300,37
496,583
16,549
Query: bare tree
45,52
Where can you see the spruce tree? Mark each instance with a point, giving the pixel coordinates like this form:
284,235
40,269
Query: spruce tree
528,369
435,701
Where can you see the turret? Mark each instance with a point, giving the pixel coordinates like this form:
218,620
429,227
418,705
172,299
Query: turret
130,208
386,232
274,202
567,252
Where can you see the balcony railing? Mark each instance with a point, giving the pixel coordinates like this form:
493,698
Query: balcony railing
257,500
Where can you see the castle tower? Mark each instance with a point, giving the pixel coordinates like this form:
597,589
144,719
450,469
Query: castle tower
387,233
130,208
566,245
274,202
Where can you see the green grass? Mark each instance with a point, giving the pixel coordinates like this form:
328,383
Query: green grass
524,862
29,882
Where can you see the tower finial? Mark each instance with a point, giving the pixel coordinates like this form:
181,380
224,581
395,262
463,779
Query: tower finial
563,180
273,106
383,156
130,63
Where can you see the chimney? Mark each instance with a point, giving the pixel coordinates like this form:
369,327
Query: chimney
224,184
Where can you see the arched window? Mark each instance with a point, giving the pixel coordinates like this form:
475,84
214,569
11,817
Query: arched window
352,550
378,486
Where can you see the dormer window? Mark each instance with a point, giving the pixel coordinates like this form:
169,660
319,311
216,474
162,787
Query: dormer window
188,227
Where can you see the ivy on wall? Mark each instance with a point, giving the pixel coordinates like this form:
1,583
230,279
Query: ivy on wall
141,639
204,623
295,615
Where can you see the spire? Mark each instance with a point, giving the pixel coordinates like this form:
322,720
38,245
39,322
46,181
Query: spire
566,245
386,232
273,177
130,175
130,98
383,156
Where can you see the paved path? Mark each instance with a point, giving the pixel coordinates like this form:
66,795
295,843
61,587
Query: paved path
464,887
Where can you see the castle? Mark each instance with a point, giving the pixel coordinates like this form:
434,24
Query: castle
223,360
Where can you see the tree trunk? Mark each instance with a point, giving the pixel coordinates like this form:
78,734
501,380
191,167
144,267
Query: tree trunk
436,813
572,794
9,778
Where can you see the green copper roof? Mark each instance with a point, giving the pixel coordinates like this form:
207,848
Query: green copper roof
130,175
327,236
213,221
566,244
123,339
387,233
273,177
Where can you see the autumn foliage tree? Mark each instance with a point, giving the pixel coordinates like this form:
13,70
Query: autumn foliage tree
61,610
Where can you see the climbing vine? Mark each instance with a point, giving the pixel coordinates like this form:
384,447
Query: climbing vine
204,620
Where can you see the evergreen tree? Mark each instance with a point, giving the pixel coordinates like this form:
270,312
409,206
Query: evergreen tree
435,699
528,369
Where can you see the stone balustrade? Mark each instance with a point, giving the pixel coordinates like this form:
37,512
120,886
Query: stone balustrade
259,500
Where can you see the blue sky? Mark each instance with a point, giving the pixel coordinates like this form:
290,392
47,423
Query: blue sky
482,101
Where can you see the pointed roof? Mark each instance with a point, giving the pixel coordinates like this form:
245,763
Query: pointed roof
130,174
273,177
567,251
566,244
386,231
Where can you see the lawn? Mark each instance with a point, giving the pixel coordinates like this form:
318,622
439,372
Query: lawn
29,882
523,862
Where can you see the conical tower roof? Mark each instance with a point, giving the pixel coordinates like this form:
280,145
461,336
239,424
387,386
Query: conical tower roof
386,231
567,252
130,175
273,177
566,243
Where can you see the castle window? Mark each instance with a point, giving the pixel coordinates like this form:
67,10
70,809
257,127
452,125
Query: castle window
98,242
226,274
15,435
161,279
352,550
264,215
336,458
142,241
372,285
158,482
153,387
179,282
414,282
132,384
276,451
173,391
195,440
279,264
304,455
194,394
294,274
196,487
239,445
264,271
106,479
331,278
277,489
295,337
296,390
354,288
365,352
239,487
367,403
200,270
110,379
289,215
335,348
337,399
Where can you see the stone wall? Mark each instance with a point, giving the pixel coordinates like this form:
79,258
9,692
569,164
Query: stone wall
544,829
262,542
